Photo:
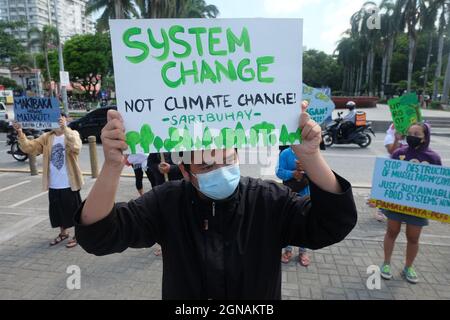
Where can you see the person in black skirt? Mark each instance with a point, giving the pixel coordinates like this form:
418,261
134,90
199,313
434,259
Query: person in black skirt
61,174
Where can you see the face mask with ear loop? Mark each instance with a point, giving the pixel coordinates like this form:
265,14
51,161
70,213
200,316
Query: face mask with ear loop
219,184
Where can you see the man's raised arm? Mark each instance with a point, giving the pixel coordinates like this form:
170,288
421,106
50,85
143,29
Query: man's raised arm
100,200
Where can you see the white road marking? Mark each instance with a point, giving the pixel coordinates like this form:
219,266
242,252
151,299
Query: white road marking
15,185
20,227
27,200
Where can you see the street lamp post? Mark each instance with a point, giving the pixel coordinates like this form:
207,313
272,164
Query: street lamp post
61,62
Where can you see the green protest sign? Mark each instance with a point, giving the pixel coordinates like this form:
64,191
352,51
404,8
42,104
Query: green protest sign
405,111
198,84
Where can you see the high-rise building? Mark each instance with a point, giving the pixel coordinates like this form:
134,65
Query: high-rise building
72,16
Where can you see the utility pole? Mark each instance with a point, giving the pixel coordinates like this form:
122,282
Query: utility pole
61,62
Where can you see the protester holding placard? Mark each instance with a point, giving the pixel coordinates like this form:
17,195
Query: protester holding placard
221,234
393,140
418,139
61,175
290,170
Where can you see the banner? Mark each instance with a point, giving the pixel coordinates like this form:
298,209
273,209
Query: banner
198,84
405,111
37,113
416,189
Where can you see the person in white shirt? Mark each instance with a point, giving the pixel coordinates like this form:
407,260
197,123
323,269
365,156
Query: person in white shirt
393,140
61,176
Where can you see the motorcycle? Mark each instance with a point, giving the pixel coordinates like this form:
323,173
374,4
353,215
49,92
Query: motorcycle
359,135
12,140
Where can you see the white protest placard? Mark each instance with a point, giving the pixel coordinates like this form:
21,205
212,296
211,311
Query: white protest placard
421,190
198,84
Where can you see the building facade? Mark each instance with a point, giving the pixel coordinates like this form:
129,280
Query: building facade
72,16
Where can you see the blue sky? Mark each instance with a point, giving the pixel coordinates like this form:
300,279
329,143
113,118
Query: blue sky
324,20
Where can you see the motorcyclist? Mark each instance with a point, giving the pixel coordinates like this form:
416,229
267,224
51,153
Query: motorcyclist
348,122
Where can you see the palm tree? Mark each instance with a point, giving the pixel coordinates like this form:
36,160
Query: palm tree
428,19
176,9
44,38
368,40
112,9
443,6
348,55
22,64
409,12
389,31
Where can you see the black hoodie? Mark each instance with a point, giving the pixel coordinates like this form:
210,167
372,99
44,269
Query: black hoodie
225,249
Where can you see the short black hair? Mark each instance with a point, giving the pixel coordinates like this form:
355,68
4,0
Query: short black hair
63,114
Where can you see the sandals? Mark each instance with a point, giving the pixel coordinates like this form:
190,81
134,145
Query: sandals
303,259
286,257
158,252
72,243
61,237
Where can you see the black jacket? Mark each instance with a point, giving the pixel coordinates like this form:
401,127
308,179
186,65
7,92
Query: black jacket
228,249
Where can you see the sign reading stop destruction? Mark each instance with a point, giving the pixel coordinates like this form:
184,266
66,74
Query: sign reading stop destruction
198,84
416,189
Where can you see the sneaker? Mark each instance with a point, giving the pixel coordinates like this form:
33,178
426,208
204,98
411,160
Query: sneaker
410,275
386,272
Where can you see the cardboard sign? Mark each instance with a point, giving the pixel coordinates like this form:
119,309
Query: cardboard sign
405,111
411,188
321,106
37,113
199,84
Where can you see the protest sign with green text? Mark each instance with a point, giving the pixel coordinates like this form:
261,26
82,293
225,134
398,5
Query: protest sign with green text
198,84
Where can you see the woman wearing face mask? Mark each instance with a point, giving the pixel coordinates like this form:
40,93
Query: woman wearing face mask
418,151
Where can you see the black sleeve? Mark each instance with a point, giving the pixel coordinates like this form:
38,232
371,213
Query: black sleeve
320,220
135,224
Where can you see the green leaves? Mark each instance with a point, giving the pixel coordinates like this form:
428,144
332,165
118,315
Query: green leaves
132,139
181,139
147,137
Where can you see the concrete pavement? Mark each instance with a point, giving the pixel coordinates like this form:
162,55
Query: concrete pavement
30,269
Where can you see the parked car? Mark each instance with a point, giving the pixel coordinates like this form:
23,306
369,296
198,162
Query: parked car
92,123
4,121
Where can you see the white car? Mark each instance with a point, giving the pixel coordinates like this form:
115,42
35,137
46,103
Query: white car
3,116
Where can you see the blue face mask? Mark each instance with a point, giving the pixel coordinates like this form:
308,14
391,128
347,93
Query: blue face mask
219,184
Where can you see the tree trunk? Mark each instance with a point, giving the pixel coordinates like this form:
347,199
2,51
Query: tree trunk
383,71
367,72
411,58
48,73
389,62
372,61
427,66
361,73
344,80
438,72
118,9
444,98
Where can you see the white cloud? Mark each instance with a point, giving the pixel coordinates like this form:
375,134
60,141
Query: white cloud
277,7
337,22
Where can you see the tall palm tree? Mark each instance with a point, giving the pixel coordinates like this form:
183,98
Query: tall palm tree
443,7
44,38
428,17
349,55
389,31
112,9
368,40
176,9
409,12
